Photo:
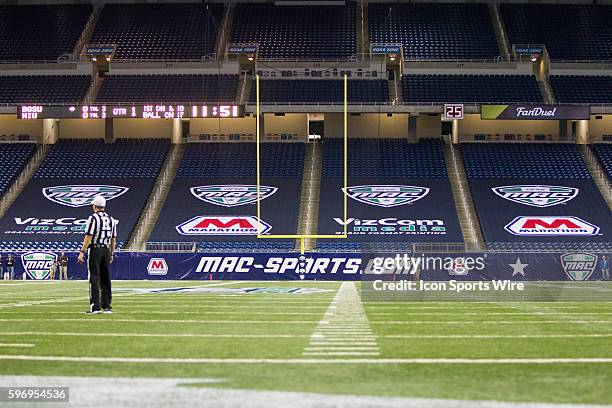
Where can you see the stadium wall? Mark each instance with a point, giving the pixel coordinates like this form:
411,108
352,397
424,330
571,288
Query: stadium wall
326,266
472,124
600,127
10,125
368,125
81,129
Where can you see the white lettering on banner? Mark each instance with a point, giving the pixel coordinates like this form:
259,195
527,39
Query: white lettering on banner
535,112
279,265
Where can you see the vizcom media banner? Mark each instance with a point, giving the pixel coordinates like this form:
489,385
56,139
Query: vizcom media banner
226,210
570,266
396,210
541,210
57,209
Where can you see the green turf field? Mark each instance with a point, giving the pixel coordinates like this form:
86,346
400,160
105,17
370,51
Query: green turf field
324,341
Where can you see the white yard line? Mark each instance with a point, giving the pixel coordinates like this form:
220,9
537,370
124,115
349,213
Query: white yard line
161,335
381,361
17,345
347,319
103,319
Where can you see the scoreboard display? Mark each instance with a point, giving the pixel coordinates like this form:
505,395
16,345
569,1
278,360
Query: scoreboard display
136,111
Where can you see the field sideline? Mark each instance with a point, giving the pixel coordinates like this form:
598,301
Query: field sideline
324,340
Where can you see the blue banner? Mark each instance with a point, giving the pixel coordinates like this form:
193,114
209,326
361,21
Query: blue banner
573,266
52,210
396,210
226,209
541,210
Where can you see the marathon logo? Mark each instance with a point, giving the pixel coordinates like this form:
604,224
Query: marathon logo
550,226
223,225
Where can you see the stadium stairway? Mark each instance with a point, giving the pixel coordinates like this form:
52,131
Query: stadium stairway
363,34
24,178
309,203
500,30
243,90
396,94
470,227
225,28
80,46
149,215
598,173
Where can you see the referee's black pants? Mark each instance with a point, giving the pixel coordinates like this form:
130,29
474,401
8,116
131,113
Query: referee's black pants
99,279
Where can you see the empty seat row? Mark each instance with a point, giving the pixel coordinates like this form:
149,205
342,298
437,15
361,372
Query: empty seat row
321,91
43,88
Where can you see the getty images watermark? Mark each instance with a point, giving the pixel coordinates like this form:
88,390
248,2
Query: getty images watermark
407,276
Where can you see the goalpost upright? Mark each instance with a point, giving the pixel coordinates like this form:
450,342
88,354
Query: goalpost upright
345,172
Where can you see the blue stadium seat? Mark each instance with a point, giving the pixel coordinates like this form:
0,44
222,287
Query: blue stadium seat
168,88
156,31
569,31
434,31
321,91
13,158
385,158
523,161
40,32
604,152
470,88
43,88
296,31
582,88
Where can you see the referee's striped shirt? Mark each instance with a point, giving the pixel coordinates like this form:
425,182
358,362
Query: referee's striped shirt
102,228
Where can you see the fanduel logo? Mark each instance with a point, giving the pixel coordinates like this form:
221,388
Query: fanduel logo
579,266
223,225
392,225
386,195
37,265
81,196
549,226
536,195
535,112
232,195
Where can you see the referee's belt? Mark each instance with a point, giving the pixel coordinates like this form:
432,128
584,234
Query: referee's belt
98,246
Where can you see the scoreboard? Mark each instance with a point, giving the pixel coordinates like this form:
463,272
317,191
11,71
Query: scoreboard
139,111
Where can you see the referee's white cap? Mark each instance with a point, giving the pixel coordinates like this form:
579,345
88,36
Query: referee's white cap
99,201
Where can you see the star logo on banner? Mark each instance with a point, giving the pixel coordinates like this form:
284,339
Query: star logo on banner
518,268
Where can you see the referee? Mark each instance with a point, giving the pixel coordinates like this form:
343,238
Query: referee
99,243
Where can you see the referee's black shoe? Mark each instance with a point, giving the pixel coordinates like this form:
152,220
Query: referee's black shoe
108,310
93,312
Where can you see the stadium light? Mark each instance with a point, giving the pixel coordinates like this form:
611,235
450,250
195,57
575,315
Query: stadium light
94,59
108,58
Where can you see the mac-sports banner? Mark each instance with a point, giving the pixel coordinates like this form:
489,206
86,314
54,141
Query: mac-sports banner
535,112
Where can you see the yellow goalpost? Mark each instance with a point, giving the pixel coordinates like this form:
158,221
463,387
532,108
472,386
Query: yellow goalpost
301,237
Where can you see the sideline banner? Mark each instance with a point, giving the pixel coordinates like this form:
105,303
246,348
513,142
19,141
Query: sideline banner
571,266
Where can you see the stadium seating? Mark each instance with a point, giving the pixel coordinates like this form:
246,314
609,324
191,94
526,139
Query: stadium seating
501,166
296,31
156,31
384,162
40,32
230,164
321,91
43,88
582,88
470,88
168,88
522,161
604,152
580,32
124,171
13,158
434,31
91,158
385,158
